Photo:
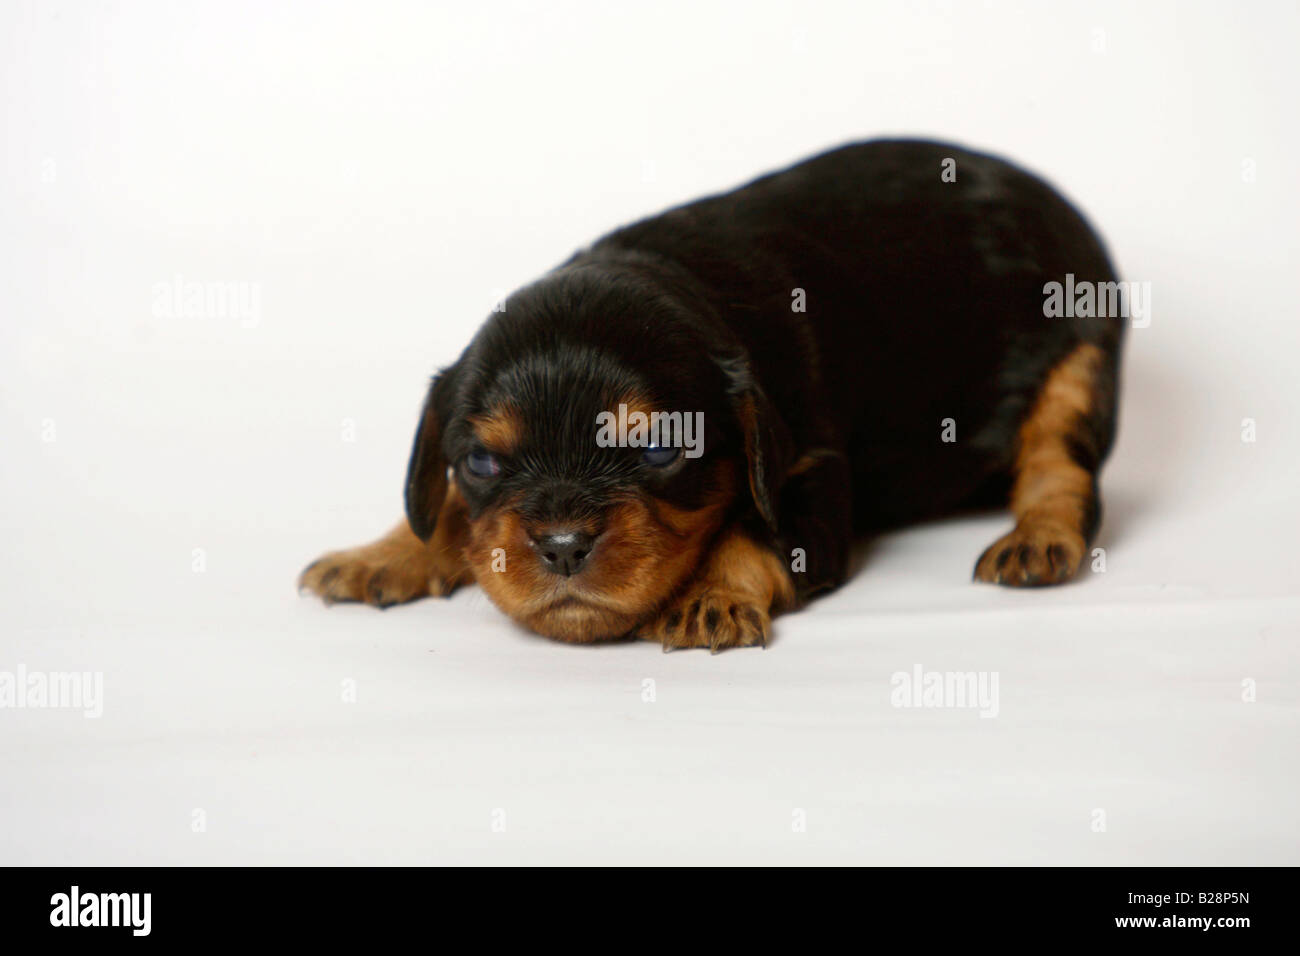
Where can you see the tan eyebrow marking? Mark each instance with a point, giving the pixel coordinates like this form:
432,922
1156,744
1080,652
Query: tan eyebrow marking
635,402
501,430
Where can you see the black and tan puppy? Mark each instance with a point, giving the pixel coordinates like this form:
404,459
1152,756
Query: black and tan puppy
865,344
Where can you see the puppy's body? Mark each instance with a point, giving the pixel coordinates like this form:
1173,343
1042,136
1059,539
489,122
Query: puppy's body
868,347
924,302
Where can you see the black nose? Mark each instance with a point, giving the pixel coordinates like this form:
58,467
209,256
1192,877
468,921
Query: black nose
564,551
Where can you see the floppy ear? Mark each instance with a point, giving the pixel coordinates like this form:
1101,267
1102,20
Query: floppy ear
767,440
426,475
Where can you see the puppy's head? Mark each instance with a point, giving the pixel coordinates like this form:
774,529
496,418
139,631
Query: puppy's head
582,521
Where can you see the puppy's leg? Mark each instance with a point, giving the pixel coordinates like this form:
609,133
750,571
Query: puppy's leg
399,566
729,601
1054,495
743,583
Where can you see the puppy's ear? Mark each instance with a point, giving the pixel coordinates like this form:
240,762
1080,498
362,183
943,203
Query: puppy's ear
767,440
426,475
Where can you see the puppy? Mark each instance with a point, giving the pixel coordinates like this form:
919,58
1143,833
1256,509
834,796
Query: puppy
861,341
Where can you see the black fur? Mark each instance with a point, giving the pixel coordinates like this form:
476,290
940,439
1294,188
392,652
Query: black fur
924,302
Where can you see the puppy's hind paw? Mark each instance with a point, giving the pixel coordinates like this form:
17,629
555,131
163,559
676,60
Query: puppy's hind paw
1033,555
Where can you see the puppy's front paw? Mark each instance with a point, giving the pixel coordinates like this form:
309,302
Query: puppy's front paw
397,568
1033,555
739,586
354,575
710,617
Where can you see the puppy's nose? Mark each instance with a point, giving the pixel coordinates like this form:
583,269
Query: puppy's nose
564,552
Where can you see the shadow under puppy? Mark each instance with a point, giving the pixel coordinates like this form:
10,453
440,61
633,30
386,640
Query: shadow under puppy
866,346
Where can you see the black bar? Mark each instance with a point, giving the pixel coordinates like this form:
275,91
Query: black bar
332,905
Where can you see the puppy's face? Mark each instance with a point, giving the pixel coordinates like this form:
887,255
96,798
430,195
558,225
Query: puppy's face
576,539
580,529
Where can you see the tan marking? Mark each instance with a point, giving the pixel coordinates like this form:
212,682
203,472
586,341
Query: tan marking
811,459
730,600
631,403
447,546
501,430
399,566
636,401
645,552
1052,493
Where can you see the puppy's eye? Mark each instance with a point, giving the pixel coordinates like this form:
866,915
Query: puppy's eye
483,464
657,457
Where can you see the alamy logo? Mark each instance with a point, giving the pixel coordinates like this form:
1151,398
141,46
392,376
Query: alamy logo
946,690
651,430
53,690
102,909
181,299
1101,300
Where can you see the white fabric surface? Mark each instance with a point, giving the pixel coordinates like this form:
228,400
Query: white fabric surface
380,175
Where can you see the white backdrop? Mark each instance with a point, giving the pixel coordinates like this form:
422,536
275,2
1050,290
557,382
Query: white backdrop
371,176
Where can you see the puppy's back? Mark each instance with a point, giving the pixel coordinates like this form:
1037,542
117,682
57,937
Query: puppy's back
886,286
